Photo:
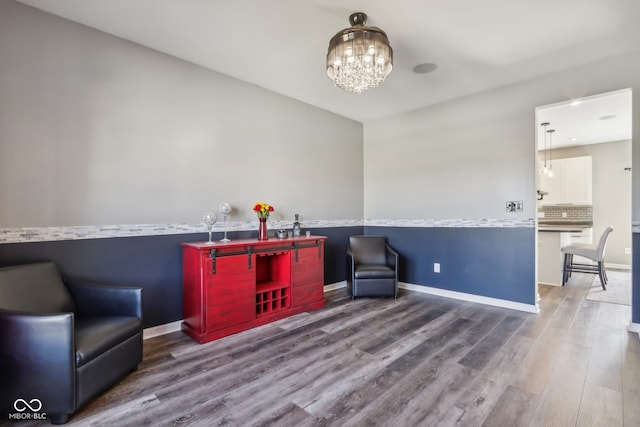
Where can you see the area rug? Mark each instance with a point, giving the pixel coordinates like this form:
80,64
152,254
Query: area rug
618,288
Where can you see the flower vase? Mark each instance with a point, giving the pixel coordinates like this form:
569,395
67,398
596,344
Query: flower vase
262,229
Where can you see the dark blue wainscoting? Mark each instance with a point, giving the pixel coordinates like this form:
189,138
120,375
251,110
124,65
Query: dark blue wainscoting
491,262
335,252
151,262
635,277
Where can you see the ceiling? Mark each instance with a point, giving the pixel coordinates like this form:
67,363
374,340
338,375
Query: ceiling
281,45
592,120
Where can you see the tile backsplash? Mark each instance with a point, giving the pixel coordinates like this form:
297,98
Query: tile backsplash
572,213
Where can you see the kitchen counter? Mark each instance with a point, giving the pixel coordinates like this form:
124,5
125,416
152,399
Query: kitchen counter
552,237
561,228
549,258
564,226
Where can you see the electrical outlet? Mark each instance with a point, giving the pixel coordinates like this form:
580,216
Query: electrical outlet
514,206
436,267
627,251
564,214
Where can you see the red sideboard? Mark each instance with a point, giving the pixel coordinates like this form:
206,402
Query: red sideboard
230,287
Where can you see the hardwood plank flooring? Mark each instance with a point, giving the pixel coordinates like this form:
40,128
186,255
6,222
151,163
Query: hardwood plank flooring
514,404
419,360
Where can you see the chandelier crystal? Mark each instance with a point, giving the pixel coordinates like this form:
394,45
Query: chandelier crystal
360,57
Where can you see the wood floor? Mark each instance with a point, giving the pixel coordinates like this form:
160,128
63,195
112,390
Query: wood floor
417,361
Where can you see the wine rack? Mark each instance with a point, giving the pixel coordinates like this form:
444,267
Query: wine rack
272,298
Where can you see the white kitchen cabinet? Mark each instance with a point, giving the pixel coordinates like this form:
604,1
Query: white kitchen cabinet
585,236
571,182
554,185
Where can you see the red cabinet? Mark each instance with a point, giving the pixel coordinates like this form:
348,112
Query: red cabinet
230,287
307,272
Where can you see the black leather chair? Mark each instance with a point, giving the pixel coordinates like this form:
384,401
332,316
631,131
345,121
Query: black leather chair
372,267
62,343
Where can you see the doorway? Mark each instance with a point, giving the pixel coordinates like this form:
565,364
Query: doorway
584,177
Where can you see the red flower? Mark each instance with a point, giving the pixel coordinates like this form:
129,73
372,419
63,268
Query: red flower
263,209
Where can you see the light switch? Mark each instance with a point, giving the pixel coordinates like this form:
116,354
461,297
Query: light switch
514,206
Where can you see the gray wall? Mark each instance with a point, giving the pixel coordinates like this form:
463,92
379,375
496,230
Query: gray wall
466,157
611,193
460,159
97,130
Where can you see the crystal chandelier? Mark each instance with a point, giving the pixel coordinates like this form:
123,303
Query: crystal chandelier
360,57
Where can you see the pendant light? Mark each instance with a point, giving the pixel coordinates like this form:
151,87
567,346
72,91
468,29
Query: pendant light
545,169
550,171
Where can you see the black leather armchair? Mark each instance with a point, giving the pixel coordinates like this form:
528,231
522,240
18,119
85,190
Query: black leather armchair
62,343
372,267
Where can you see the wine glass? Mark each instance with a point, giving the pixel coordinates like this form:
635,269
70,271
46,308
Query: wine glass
209,219
225,210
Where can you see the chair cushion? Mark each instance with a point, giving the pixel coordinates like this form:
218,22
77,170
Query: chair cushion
367,271
583,250
34,288
368,249
95,335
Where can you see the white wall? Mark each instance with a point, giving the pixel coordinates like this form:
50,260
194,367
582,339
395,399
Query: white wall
98,130
466,157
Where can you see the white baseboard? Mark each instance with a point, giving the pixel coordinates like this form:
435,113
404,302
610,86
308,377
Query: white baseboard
163,329
634,327
336,285
529,308
176,326
617,266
